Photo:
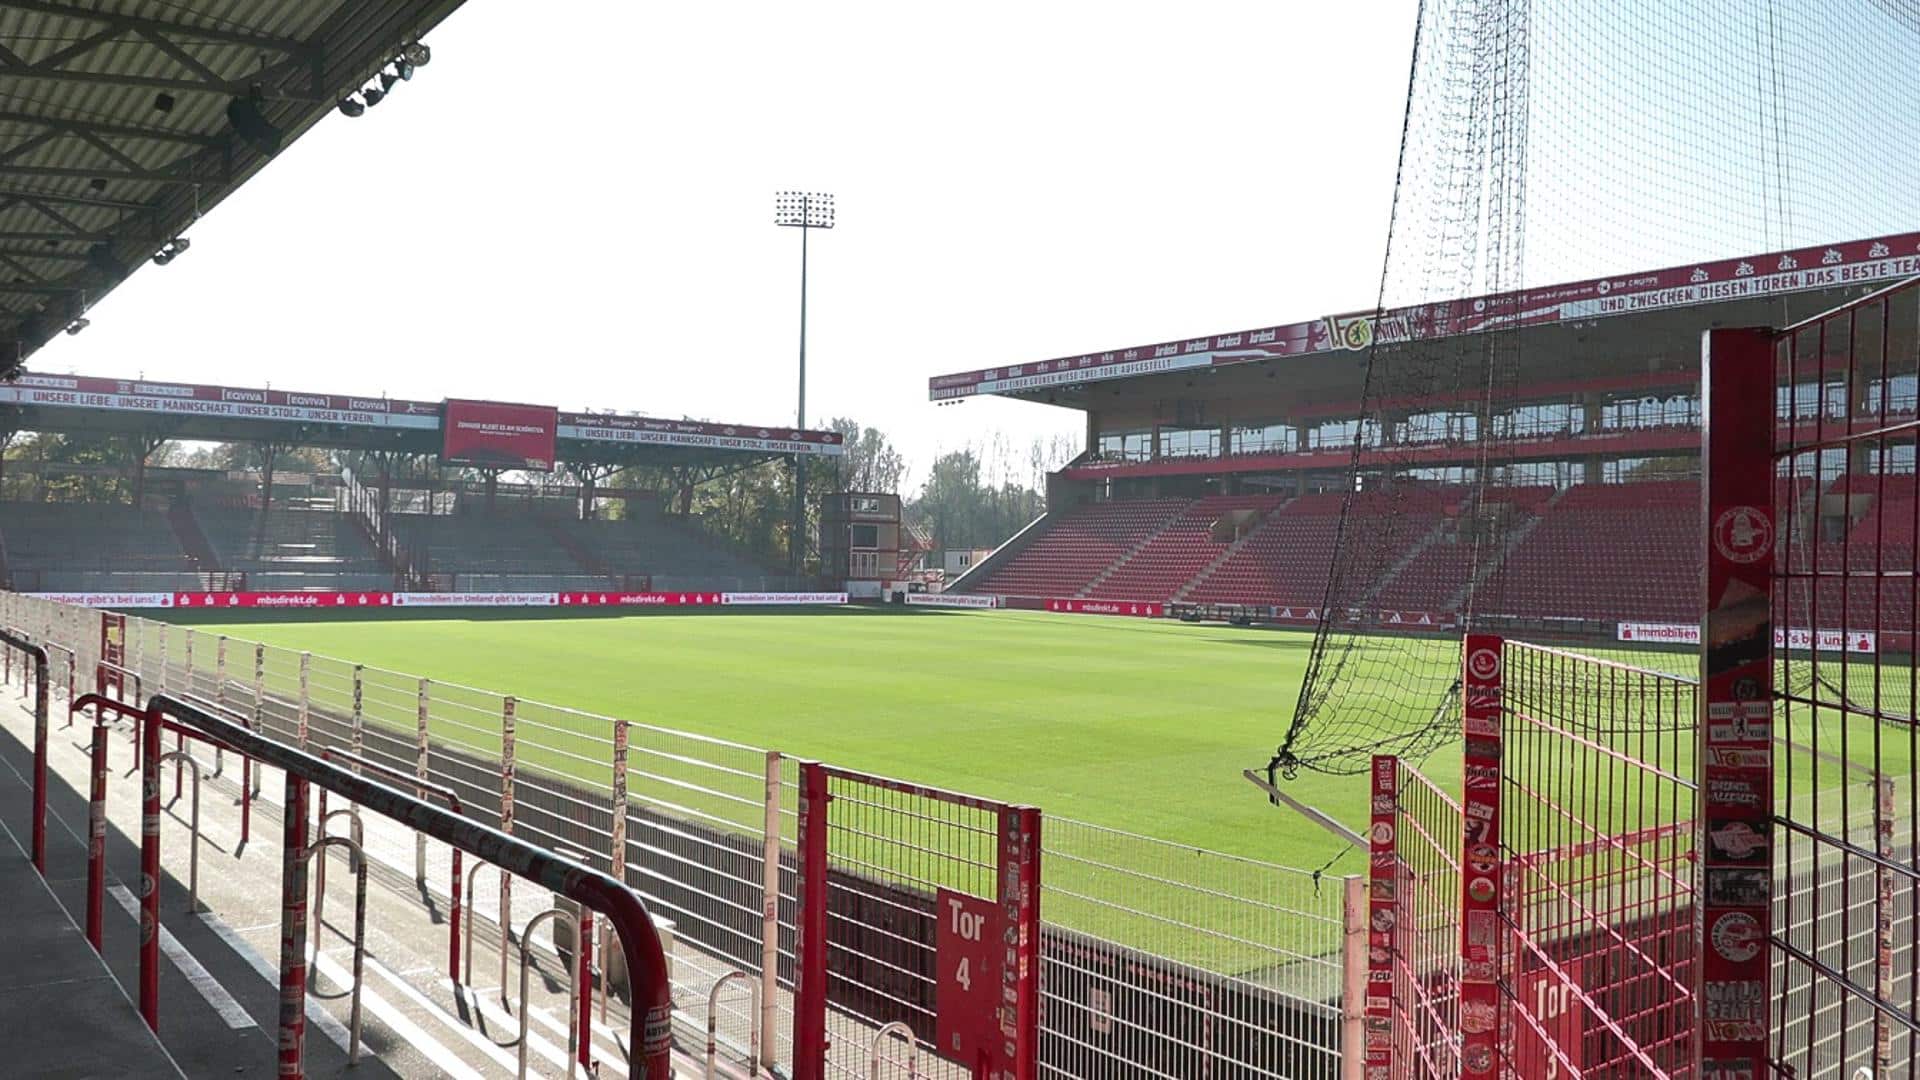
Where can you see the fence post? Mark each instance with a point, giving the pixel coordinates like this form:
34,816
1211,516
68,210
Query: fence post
1383,871
810,947
357,732
421,745
220,672
259,687
293,927
1732,998
1482,1005
300,723
507,707
770,914
617,832
1353,983
164,639
1019,892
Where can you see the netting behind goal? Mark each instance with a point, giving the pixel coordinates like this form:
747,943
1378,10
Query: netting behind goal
1504,453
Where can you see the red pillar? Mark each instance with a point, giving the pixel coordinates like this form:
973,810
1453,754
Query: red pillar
293,929
1734,910
810,959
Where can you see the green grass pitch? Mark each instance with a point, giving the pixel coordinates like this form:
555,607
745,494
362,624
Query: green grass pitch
1132,724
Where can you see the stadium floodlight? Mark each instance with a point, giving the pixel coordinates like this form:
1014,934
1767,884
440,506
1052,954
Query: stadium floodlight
388,80
78,325
171,250
403,67
417,53
806,211
374,95
352,106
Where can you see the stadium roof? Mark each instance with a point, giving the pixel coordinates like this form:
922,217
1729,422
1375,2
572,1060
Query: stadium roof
122,120
1861,263
91,404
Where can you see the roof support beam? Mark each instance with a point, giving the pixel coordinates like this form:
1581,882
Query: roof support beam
160,26
140,176
84,128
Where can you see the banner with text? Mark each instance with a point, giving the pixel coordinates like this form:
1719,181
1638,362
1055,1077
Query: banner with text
956,600
1798,640
1138,608
495,435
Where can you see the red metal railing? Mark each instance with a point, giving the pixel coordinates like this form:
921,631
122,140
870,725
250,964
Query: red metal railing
421,788
646,960
962,971
11,643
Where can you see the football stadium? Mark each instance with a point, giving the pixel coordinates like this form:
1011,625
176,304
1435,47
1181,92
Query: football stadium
1510,675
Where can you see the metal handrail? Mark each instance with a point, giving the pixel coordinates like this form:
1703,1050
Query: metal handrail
97,681
506,926
452,797
574,1004
193,826
753,1022
651,1022
38,655
879,1037
356,832
97,803
358,859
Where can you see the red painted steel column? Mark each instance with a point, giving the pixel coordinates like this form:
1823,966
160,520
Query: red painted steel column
40,763
1482,1005
1020,909
1735,727
507,708
97,839
585,989
149,730
1382,888
293,929
810,951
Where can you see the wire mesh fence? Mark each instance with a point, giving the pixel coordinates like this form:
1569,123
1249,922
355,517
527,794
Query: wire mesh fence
1424,933
1844,831
1597,811
1154,960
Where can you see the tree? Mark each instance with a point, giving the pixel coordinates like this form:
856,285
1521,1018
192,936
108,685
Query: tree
871,463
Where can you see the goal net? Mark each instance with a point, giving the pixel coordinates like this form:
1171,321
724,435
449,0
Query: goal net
1583,188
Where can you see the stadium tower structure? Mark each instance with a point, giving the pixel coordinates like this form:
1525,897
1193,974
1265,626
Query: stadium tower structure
400,523
1215,468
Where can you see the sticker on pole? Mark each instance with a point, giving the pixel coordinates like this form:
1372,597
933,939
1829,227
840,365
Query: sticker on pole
1484,664
1743,534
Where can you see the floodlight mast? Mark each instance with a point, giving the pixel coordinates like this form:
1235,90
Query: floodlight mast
806,211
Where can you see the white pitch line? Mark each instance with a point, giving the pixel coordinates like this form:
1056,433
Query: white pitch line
232,1012
324,1020
397,1022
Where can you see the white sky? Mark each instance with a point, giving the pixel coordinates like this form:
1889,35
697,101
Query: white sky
576,209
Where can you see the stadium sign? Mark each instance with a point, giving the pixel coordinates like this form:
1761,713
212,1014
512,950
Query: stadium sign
217,402
954,600
508,434
1136,608
1796,639
1824,266
297,601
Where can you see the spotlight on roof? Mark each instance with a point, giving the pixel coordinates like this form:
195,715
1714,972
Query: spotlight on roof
374,96
171,250
404,67
352,106
417,53
79,324
163,102
388,80
250,120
